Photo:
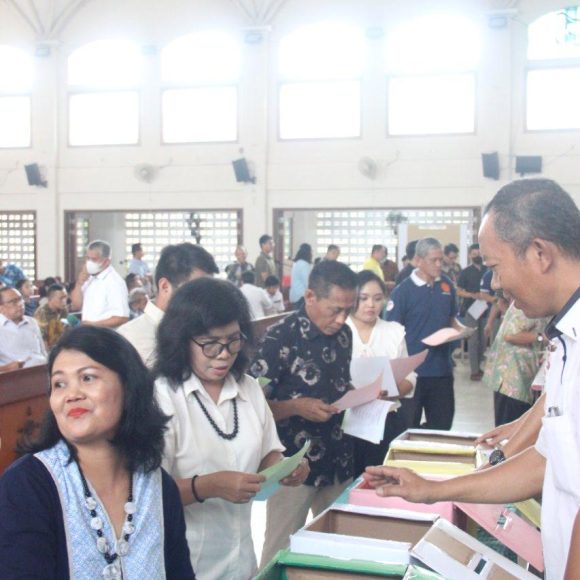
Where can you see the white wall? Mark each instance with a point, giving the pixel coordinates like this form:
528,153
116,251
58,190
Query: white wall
438,171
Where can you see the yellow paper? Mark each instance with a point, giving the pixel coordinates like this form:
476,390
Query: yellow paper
432,467
433,448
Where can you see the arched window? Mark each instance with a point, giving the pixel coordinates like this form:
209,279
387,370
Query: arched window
431,63
103,79
200,73
320,68
16,75
553,76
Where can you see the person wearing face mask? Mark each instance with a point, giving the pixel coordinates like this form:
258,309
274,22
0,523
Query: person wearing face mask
468,288
372,337
100,291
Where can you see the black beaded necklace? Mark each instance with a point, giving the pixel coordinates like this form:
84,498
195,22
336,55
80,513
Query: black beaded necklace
97,524
228,436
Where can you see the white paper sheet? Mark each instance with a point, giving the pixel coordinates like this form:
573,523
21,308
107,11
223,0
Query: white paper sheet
367,421
477,309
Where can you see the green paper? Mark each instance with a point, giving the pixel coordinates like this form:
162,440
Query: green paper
264,381
278,471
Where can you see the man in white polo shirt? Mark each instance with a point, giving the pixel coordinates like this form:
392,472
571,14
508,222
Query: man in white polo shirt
177,265
21,342
100,291
530,238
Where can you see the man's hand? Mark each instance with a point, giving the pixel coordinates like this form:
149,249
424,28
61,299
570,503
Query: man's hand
83,275
314,410
497,435
298,476
487,329
233,486
391,481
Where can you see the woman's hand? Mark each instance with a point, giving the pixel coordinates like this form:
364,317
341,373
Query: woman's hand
298,476
314,410
233,486
391,481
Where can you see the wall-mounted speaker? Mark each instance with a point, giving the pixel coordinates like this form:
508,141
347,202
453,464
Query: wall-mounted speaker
242,171
529,164
34,176
490,164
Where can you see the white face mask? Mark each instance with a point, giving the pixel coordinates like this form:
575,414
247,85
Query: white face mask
93,268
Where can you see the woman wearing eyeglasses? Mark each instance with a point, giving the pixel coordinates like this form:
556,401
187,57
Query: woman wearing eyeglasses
222,432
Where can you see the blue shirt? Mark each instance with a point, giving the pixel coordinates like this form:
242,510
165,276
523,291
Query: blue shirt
423,309
299,280
11,275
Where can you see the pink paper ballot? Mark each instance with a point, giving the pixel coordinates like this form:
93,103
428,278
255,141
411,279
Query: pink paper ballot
446,335
360,396
402,367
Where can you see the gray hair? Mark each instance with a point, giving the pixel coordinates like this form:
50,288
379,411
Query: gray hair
425,245
536,208
104,248
136,294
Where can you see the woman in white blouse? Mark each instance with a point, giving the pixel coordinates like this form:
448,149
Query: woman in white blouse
221,432
371,337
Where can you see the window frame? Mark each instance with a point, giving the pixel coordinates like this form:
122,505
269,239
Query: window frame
34,220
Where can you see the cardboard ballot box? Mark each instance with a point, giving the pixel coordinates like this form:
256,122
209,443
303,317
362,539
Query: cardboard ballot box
363,494
436,436
363,533
289,566
455,554
509,528
431,464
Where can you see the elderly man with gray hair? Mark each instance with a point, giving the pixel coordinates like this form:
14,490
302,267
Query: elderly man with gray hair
100,291
424,303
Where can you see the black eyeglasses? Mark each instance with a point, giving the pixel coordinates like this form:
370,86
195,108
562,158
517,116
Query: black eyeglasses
214,348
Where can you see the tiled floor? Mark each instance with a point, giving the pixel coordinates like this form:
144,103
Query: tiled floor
473,412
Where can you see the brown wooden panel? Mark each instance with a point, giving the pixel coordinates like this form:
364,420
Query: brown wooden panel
23,401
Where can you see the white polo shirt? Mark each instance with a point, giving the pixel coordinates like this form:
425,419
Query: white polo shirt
105,295
218,532
21,341
142,332
559,439
258,299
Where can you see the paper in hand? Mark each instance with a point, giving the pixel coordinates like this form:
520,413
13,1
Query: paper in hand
367,421
278,471
365,370
477,309
357,397
402,367
447,335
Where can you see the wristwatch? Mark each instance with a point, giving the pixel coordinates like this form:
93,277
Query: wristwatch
497,456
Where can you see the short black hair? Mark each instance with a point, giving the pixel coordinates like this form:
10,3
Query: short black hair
410,249
130,278
377,247
264,239
21,283
364,277
450,248
136,248
473,247
54,288
248,277
178,261
271,281
196,308
536,208
328,273
139,438
332,247
304,253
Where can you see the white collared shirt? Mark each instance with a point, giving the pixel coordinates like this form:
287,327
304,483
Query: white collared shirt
218,532
105,295
258,300
386,339
21,341
142,332
559,443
